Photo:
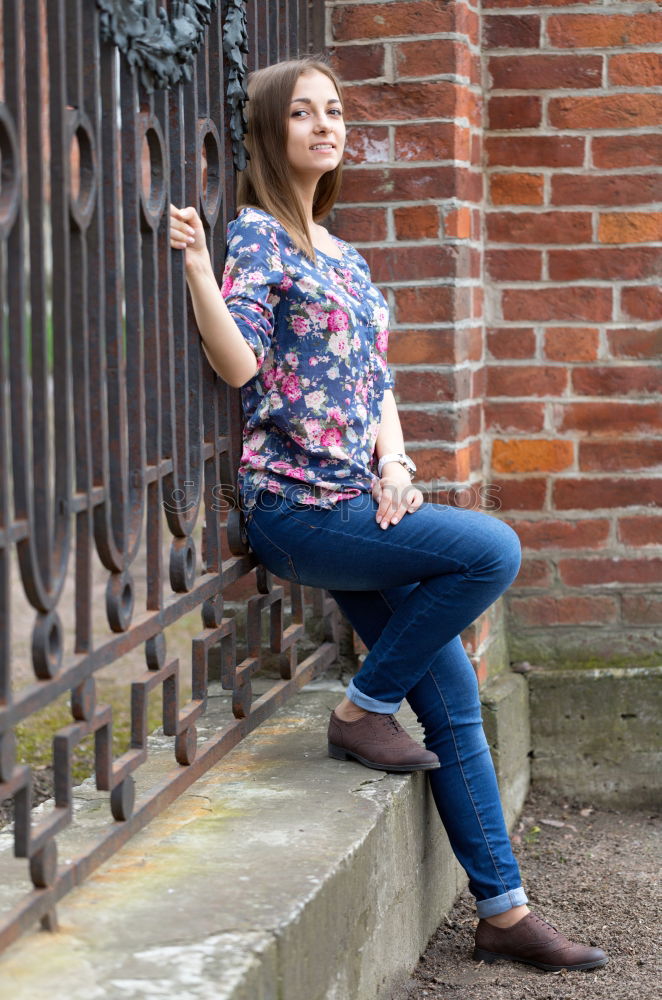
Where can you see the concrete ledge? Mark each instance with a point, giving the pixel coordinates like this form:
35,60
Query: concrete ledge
596,734
506,722
282,875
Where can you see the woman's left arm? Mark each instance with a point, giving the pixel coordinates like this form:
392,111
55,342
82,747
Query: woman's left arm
394,492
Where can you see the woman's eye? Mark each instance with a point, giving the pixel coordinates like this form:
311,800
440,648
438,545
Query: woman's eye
302,111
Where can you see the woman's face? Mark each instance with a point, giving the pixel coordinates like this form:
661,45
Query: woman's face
315,127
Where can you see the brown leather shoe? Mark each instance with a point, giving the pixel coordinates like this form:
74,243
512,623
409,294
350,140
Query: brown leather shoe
535,942
379,741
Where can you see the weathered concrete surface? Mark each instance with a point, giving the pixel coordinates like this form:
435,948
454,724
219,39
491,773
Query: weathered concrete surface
281,875
506,722
587,646
596,734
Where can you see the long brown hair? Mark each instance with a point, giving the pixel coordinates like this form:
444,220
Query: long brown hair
266,182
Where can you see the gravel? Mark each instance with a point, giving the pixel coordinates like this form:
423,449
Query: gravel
592,872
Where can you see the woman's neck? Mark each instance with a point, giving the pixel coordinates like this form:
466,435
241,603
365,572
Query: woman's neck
306,194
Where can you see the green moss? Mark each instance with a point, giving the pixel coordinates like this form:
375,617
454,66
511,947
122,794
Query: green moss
34,736
623,661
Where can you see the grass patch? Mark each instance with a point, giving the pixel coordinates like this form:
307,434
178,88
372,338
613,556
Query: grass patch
34,736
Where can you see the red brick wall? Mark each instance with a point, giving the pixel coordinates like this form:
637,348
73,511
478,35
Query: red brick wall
573,261
412,203
505,184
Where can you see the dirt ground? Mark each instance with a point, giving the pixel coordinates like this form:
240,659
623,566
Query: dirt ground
594,874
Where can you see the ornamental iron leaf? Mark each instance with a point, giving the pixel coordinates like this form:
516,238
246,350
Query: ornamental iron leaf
235,48
161,47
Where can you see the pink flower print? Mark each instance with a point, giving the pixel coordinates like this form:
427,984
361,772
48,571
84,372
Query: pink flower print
286,282
289,470
268,378
337,415
318,317
300,325
382,341
381,317
291,388
256,440
349,286
226,287
313,430
338,320
292,359
316,399
339,345
356,342
331,437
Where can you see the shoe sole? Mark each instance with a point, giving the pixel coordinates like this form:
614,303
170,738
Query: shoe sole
339,753
488,957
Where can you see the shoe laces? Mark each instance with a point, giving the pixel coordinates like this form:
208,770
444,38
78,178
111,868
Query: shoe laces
545,923
392,722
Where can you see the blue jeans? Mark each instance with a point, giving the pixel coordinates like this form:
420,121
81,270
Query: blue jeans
409,591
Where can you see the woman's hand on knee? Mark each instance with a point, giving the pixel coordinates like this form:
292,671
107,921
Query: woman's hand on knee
395,499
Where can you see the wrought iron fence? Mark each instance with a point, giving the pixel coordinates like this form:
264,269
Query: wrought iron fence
117,441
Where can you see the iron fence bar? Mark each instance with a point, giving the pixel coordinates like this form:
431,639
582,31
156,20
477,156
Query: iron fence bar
272,14
36,206
300,43
317,15
253,61
125,414
129,449
106,359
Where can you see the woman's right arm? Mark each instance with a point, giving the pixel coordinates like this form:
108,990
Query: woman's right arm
223,343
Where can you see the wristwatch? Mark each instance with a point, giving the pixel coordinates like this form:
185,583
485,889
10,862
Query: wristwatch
400,457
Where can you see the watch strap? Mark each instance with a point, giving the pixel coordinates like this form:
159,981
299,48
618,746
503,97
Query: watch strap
399,457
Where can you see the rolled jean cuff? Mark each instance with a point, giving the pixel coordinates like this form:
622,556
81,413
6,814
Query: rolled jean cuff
370,704
499,904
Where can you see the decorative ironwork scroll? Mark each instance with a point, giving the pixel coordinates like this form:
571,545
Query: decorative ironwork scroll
161,47
235,49
118,444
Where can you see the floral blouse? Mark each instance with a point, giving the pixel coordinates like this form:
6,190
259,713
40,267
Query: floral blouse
319,332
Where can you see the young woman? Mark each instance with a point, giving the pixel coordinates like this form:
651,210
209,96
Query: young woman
327,488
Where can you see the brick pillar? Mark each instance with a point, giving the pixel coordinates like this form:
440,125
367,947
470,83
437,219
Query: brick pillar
412,204
573,263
